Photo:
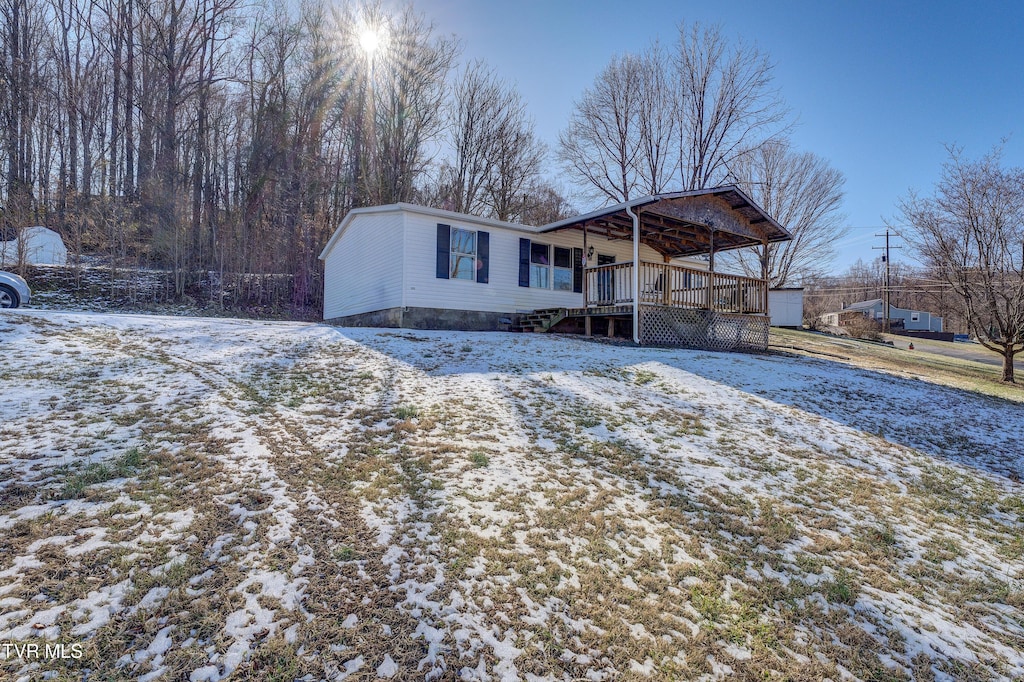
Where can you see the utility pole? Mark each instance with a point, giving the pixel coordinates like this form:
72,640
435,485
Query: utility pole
885,291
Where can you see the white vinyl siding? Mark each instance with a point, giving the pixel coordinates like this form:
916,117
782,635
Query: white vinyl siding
786,307
363,271
502,293
388,259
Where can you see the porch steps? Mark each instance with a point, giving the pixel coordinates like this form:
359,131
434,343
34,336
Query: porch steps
539,320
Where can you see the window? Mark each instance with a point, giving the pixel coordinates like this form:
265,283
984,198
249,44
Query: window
544,272
463,255
540,270
915,317
563,269
537,268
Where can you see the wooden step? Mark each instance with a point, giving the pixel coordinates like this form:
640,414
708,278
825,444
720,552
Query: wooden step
539,321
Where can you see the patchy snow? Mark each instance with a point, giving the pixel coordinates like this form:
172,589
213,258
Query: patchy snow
219,494
388,668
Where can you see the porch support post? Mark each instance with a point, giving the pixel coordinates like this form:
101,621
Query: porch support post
711,268
636,274
586,264
764,276
666,283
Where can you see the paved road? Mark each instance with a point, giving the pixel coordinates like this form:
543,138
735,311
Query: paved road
963,351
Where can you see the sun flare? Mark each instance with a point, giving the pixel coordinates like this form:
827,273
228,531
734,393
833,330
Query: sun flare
369,40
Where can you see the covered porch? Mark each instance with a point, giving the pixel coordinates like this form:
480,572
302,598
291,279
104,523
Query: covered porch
673,302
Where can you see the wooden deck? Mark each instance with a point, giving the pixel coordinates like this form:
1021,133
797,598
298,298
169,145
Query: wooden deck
678,306
675,286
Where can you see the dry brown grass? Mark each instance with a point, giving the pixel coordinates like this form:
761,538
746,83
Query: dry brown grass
648,523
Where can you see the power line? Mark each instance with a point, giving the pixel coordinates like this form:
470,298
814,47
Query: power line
875,227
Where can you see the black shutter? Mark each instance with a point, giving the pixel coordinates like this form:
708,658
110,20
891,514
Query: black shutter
577,270
483,256
444,250
524,262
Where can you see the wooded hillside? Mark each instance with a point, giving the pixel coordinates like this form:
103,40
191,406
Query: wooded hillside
200,136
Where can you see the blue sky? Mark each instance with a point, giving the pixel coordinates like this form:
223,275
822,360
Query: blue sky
878,88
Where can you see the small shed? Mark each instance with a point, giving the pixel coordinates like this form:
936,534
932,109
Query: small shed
35,245
786,307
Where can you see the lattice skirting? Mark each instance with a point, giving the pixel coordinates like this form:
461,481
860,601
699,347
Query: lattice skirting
667,326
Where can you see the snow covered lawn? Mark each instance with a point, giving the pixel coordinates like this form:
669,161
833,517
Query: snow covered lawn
200,498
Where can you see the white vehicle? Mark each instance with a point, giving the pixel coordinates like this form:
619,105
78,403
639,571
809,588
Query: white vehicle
14,290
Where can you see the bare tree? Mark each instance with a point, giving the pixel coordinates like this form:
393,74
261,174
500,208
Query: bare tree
21,94
600,150
971,234
211,137
657,125
409,89
803,193
726,104
477,106
650,123
496,156
517,156
517,160
820,297
544,204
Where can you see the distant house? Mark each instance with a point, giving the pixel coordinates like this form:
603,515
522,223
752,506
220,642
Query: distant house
909,320
34,245
403,265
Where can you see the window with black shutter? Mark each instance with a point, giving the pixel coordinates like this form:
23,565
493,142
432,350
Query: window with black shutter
463,254
524,262
444,244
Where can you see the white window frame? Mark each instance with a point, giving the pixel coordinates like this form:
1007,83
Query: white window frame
454,256
550,268
555,269
915,316
541,267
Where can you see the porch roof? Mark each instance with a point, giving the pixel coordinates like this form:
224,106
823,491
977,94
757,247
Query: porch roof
680,224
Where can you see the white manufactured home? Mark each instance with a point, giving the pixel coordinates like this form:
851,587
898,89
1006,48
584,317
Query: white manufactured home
403,265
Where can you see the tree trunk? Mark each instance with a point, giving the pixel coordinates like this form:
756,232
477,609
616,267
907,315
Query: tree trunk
1008,366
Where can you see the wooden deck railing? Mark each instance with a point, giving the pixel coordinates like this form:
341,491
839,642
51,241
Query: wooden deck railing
673,285
610,284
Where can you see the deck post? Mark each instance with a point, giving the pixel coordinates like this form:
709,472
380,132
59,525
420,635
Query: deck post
764,276
636,273
586,325
666,283
711,268
611,327
586,264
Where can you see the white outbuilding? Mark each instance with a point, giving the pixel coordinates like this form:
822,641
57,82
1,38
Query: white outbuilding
36,245
786,307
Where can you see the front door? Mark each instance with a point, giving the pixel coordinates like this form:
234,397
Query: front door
605,280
